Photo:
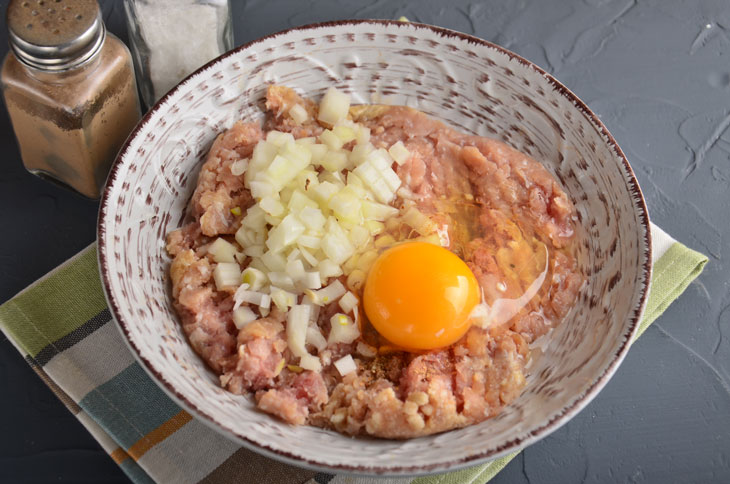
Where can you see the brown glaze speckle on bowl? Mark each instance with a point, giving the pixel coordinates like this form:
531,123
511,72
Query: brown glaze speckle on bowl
464,81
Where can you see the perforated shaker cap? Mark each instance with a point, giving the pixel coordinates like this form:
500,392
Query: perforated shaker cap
55,34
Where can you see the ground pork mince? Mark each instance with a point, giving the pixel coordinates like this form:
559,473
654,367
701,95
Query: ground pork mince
504,215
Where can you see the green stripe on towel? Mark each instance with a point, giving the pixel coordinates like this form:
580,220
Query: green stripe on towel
56,305
129,406
671,275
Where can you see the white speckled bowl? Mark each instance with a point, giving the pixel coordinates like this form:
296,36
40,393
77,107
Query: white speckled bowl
471,84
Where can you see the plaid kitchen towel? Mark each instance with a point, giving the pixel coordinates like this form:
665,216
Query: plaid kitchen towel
64,330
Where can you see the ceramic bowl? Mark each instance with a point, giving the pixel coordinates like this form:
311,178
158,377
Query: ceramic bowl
466,82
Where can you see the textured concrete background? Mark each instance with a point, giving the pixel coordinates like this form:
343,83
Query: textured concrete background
658,74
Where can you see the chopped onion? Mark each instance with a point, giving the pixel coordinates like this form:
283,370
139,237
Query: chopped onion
311,280
296,329
334,106
348,302
306,255
419,222
356,279
242,316
328,268
295,269
399,152
271,206
345,365
328,294
274,261
343,330
311,363
283,299
278,138
315,338
298,114
253,278
226,275
222,251
281,279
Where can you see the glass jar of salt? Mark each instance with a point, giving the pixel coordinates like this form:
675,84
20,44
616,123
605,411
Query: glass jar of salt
172,38
70,91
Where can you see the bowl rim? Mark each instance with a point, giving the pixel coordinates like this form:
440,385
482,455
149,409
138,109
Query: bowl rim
476,457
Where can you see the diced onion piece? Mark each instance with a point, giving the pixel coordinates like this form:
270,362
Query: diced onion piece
261,189
356,279
334,161
419,222
325,190
346,205
254,218
366,350
318,151
315,338
366,260
360,152
384,241
293,255
348,302
283,299
309,241
328,268
377,211
331,140
295,269
343,330
222,251
328,294
311,363
359,236
374,227
306,255
311,280
334,106
254,278
238,168
281,279
298,114
391,178
242,316
309,140
274,261
296,329
298,201
271,206
262,155
252,297
362,134
345,365
285,233
312,218
254,251
226,275
345,133
399,152
278,138
335,244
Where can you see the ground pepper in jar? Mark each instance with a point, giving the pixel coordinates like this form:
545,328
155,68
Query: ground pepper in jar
70,90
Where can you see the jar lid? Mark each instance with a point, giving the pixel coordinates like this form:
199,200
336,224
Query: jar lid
55,34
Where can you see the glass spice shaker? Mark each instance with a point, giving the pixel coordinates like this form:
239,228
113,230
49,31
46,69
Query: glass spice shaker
172,38
70,91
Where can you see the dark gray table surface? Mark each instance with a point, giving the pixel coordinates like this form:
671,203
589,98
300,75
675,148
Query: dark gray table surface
656,72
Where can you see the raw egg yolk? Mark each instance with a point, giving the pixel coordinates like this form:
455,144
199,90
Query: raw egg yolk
419,296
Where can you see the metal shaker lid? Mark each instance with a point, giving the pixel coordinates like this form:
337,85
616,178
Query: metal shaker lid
55,34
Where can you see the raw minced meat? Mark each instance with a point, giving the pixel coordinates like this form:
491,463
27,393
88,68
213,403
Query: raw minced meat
507,217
